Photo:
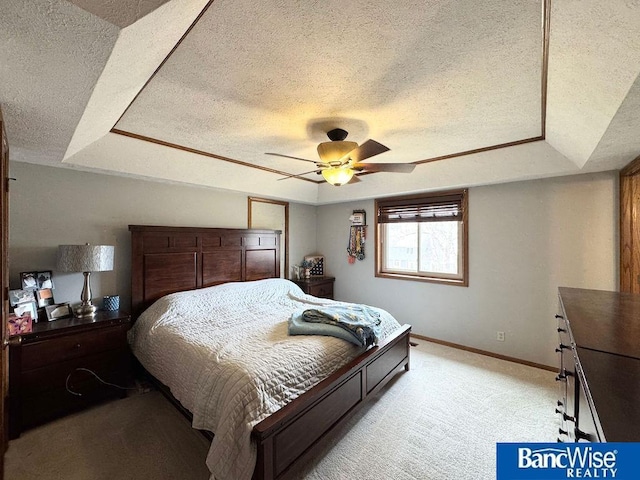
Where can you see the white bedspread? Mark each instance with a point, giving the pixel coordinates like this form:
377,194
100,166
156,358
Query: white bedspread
225,353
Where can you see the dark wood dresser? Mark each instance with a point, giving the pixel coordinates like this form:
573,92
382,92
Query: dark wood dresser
50,370
599,353
317,286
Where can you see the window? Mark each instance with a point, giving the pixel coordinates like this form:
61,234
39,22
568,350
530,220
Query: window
423,237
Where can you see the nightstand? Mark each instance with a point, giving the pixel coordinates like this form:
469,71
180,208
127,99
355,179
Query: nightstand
46,370
317,286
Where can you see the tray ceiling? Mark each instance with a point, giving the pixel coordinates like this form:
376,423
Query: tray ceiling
196,91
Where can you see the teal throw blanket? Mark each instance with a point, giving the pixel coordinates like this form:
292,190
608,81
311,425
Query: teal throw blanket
361,323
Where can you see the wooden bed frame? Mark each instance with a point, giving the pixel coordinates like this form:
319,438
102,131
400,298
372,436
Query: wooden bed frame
171,259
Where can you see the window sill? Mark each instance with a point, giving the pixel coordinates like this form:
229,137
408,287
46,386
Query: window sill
416,278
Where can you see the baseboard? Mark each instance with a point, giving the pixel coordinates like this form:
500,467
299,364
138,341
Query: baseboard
484,352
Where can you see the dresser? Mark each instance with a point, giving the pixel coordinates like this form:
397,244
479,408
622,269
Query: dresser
599,366
317,286
54,370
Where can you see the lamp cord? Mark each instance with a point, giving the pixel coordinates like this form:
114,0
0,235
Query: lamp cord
66,383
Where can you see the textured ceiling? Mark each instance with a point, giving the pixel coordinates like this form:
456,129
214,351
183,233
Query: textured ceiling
197,91
119,12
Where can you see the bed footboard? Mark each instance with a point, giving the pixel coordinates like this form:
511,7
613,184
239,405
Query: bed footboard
292,432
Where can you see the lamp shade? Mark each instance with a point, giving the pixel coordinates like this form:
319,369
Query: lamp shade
85,258
338,175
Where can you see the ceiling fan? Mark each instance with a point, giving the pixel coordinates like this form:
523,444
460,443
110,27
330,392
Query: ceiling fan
340,160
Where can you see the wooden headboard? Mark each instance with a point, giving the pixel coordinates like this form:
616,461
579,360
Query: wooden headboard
171,259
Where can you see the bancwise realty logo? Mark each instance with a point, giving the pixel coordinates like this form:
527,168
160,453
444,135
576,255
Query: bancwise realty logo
553,461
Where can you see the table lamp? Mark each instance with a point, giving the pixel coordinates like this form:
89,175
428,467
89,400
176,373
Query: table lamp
86,259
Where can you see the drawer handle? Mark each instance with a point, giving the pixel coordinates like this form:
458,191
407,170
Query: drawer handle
77,346
580,435
565,416
560,330
563,375
560,316
15,341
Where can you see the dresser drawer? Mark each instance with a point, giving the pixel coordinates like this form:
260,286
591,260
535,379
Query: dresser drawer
323,290
317,286
41,353
111,366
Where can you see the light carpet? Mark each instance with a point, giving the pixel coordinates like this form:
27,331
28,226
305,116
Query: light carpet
441,420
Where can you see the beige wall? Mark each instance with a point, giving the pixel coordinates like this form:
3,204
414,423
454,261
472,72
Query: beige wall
52,206
525,240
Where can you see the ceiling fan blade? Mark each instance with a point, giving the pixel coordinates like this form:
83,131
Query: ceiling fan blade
368,149
354,179
384,167
289,156
299,175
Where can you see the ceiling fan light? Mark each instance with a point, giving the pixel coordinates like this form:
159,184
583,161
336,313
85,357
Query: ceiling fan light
337,175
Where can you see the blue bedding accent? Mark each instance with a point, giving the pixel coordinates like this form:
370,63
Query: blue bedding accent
297,326
357,324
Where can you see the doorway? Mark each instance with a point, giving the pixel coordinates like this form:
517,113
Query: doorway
272,215
630,227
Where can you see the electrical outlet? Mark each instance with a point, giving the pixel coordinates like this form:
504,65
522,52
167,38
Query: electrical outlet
500,336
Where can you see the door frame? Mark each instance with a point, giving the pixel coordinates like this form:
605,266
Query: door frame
4,292
250,224
630,227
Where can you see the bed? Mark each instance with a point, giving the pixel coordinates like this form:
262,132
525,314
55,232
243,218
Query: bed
170,260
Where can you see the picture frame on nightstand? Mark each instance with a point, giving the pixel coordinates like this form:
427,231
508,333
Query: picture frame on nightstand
55,312
44,297
317,268
17,297
45,280
29,280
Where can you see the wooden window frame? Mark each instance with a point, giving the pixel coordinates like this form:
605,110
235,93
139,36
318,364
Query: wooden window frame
423,200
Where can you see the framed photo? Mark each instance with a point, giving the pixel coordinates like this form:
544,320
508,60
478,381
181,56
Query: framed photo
21,296
358,217
45,280
30,308
54,312
44,297
19,325
317,265
29,280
